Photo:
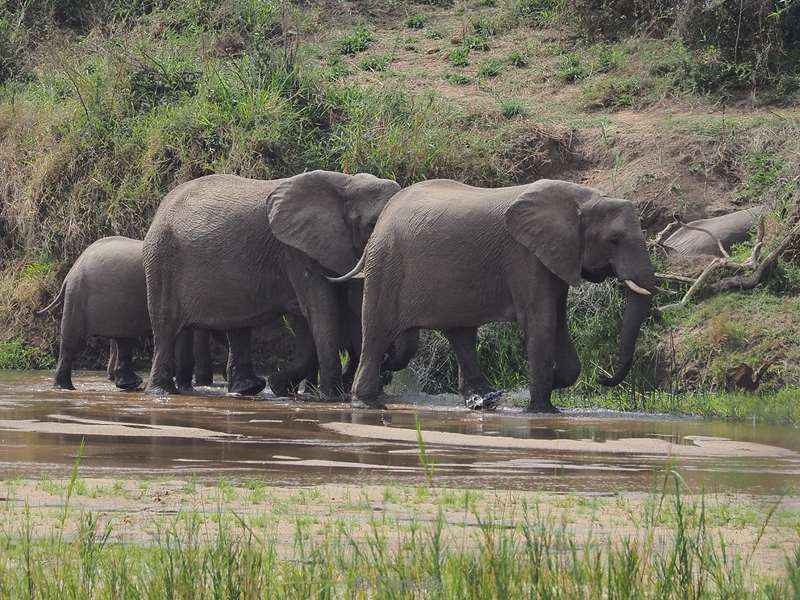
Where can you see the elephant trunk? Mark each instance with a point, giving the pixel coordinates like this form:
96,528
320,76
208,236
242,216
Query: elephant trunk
637,308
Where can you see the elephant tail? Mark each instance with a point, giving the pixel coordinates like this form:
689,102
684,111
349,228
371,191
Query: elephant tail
57,300
355,272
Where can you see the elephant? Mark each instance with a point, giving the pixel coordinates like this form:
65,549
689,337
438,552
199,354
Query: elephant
733,228
449,256
230,253
104,294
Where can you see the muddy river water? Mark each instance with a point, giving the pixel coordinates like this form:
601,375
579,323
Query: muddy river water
213,436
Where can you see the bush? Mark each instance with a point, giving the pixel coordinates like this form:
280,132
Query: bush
15,355
458,79
571,69
538,13
416,21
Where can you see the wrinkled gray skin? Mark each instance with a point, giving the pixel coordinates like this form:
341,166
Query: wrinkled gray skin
104,295
731,229
448,256
229,253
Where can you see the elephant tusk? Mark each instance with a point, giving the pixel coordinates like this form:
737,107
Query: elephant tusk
353,274
636,288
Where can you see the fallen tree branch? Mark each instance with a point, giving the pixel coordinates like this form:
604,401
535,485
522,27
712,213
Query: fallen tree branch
674,277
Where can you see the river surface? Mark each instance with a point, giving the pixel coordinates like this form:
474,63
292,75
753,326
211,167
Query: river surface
211,435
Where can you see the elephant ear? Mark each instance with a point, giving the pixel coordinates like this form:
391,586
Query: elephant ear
307,212
546,219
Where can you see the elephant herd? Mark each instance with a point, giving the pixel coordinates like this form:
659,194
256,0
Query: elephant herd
354,263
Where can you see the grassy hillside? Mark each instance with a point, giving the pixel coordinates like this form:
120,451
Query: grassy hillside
105,106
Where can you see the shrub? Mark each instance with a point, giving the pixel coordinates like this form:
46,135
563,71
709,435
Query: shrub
537,13
485,27
16,355
490,68
416,21
357,41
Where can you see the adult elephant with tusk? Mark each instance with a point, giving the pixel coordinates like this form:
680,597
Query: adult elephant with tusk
449,256
229,253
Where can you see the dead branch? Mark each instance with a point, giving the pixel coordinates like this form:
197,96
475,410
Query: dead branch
674,277
698,283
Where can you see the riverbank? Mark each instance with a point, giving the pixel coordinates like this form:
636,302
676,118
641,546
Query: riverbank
180,538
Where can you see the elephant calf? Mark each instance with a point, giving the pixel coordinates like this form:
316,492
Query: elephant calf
444,255
731,229
104,294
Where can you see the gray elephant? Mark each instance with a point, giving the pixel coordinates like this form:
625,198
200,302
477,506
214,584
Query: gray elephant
226,252
449,256
731,229
104,294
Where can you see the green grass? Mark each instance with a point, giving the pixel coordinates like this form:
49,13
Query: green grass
416,21
518,59
490,68
571,69
513,108
458,79
513,551
613,93
376,62
778,407
458,57
358,40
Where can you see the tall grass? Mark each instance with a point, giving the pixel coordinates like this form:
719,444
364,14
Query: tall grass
510,553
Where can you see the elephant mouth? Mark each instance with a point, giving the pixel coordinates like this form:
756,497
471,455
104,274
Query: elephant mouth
597,275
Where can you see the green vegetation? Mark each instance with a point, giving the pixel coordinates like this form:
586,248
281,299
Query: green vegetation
15,354
513,549
518,59
458,57
458,79
416,21
490,68
376,62
513,108
358,41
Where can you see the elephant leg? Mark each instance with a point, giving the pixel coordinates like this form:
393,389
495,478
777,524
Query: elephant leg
221,338
568,365
125,378
472,383
403,349
539,322
68,349
112,359
73,341
184,360
203,363
367,384
165,322
304,360
319,301
242,378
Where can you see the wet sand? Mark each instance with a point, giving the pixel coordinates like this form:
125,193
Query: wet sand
211,436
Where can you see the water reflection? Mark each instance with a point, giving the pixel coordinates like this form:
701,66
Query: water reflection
212,435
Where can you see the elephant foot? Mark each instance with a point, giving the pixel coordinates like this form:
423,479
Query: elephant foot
284,384
128,381
486,401
63,385
377,403
542,408
247,386
165,388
